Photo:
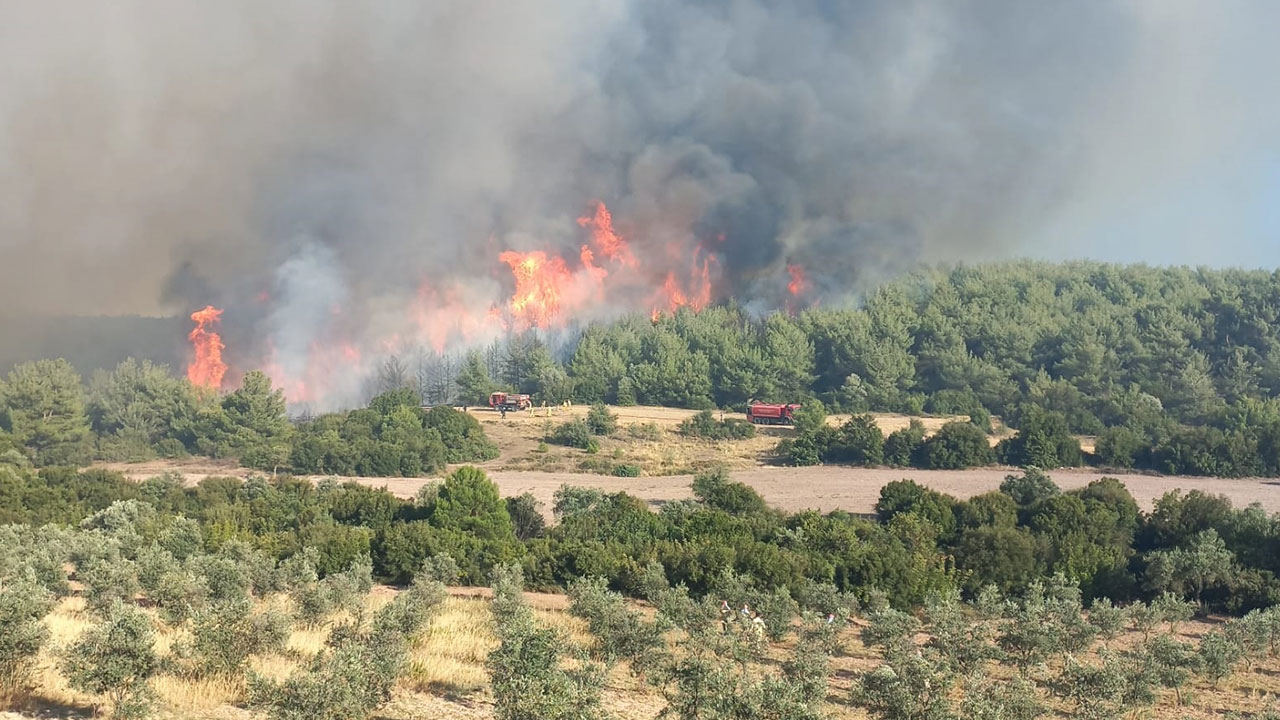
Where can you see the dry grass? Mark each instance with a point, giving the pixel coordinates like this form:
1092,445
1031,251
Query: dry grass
448,658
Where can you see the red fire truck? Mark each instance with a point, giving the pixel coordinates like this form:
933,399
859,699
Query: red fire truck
772,414
509,401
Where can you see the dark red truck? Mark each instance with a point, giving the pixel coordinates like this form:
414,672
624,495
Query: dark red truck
772,414
509,401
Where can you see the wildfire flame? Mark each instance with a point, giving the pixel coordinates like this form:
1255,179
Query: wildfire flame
206,368
539,279
610,243
799,284
550,290
695,296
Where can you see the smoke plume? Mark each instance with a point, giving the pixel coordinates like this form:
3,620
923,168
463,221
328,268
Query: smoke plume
332,173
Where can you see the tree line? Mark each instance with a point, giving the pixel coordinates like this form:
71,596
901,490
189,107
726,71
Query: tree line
139,411
1174,369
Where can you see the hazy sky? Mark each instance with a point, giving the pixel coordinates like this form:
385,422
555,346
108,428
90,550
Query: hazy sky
1189,170
1224,214
159,155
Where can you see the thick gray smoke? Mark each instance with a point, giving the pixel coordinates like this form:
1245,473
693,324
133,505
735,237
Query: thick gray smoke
278,157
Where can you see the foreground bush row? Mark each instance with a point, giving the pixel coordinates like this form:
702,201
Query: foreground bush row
1035,653
920,541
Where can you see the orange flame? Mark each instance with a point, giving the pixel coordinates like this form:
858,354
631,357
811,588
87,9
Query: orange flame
207,368
696,296
539,283
609,243
799,284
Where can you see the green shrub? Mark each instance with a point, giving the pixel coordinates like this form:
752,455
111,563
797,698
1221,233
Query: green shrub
600,421
902,448
704,425
23,603
648,431
526,516
626,470
956,445
225,636
529,677
117,659
619,632
573,433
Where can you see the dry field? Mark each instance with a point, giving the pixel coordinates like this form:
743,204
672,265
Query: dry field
447,679
669,460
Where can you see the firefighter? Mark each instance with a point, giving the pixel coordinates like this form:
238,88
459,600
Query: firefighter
502,410
757,630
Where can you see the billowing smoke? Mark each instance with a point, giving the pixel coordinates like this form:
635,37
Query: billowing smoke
342,175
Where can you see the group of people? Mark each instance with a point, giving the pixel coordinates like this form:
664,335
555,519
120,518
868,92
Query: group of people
567,406
754,623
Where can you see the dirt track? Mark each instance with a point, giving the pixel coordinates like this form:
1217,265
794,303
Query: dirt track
857,489
821,488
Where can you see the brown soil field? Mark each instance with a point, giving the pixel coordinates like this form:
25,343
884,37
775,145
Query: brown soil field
823,488
669,461
856,490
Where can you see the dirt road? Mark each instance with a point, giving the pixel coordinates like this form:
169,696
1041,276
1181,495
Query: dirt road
854,489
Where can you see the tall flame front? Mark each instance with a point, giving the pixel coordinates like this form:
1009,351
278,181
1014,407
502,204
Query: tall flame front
206,368
548,290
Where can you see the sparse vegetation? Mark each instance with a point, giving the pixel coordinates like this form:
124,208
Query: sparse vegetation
705,425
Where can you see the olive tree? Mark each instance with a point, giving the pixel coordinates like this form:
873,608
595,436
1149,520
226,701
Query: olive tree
23,602
115,659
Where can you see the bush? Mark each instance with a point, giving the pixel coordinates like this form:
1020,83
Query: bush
956,446
1029,488
902,447
570,500
645,431
22,605
116,658
619,631
526,517
1119,447
356,673
626,470
704,425
600,421
1044,440
859,441
905,496
225,636
529,678
108,580
716,490
573,433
